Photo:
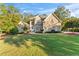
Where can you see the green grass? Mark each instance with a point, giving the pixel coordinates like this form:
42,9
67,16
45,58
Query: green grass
40,45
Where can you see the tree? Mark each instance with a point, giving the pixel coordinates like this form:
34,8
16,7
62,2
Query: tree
9,18
27,17
12,9
62,12
3,9
8,9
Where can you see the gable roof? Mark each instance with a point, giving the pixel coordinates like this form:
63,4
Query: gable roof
56,17
42,17
52,17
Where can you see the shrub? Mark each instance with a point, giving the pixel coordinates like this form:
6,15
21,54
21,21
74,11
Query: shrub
14,30
73,29
72,24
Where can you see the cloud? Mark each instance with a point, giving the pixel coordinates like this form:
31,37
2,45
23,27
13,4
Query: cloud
26,11
74,8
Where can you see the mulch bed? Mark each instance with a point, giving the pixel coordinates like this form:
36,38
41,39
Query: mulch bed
72,33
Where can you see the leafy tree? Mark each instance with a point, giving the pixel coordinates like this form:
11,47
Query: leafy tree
3,9
12,9
8,9
9,18
62,12
27,17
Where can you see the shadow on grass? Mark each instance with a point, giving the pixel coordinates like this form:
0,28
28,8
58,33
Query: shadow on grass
51,45
16,40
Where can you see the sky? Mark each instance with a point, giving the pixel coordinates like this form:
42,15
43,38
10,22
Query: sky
45,8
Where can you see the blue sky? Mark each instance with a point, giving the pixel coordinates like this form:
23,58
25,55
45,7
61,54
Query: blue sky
45,8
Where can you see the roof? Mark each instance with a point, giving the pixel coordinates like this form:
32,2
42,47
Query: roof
43,18
38,16
52,16
56,17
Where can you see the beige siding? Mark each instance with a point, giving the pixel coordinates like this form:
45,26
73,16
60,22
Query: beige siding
50,23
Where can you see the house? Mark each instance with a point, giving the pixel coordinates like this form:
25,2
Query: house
36,24
45,24
52,23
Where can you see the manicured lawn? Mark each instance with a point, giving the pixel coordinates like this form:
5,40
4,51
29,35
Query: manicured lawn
40,44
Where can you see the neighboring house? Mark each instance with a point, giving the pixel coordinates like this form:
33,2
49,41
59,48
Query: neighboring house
21,26
45,24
